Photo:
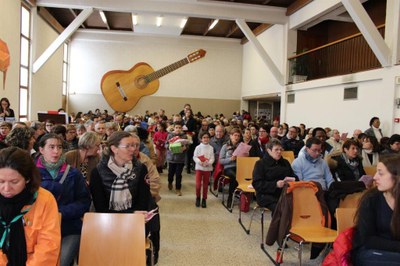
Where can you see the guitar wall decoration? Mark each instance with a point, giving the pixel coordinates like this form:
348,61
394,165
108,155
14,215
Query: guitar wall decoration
123,89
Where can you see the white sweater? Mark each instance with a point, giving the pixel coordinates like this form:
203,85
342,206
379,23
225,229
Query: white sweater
207,151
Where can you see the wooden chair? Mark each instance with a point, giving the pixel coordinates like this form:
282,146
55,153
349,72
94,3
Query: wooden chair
370,170
288,155
307,220
244,175
112,239
344,218
351,200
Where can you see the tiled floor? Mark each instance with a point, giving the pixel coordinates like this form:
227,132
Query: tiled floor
211,236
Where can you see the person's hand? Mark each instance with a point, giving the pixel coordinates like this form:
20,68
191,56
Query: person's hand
280,183
148,215
233,158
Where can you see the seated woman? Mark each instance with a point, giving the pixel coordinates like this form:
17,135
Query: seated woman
68,187
33,236
370,150
270,174
86,157
118,182
377,232
348,164
227,159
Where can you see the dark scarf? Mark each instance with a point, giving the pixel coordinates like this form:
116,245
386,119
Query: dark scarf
353,165
12,241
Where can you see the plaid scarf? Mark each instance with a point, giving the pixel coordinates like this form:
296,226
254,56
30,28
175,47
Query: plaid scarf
121,197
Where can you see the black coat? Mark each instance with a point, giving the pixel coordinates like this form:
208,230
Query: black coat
344,172
266,173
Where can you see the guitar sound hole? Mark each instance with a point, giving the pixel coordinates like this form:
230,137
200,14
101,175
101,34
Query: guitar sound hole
140,82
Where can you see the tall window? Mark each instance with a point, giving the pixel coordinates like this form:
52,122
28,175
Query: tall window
65,70
24,63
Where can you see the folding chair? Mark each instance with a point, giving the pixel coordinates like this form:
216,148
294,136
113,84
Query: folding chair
288,155
344,218
112,239
307,219
244,177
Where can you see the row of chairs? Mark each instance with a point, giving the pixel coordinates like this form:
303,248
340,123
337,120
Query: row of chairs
302,231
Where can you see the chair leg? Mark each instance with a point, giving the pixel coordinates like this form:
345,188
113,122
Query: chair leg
214,192
300,252
262,225
283,247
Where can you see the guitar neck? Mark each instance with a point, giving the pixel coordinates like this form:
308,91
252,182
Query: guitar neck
164,71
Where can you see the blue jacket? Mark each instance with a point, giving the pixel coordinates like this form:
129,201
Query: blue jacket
72,196
312,170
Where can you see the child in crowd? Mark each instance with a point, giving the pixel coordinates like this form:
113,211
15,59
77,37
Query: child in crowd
204,158
176,156
5,128
159,139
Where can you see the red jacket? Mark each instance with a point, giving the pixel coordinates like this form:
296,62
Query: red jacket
340,255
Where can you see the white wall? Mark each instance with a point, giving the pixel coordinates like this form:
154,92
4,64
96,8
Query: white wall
320,102
10,33
216,76
257,78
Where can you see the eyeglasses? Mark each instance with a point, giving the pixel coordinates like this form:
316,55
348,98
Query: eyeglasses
135,145
316,151
262,131
49,125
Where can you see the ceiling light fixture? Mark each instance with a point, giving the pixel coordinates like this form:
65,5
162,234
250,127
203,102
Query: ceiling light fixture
159,21
213,24
134,19
103,17
183,23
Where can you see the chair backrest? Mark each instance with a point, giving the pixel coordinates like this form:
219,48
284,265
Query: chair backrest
244,168
351,200
370,170
306,208
345,218
112,239
288,155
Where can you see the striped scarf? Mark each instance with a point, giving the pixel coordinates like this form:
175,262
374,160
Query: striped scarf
121,198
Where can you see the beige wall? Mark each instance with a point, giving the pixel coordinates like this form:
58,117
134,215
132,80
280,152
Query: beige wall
10,33
46,91
171,105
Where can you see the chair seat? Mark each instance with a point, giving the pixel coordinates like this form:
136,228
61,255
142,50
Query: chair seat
315,234
245,188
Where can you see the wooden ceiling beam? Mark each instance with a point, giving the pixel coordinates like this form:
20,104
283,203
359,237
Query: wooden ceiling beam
45,14
75,15
257,31
31,3
297,5
234,28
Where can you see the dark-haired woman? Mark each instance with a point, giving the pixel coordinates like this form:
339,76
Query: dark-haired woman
30,230
376,239
228,160
118,182
69,188
5,110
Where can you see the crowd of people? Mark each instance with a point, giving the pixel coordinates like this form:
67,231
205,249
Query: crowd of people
112,163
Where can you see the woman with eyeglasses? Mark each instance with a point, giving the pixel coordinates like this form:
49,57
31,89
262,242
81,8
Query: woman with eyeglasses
68,187
118,182
30,230
48,125
270,174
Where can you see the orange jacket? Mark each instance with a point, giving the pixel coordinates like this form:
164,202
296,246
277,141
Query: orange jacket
42,232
